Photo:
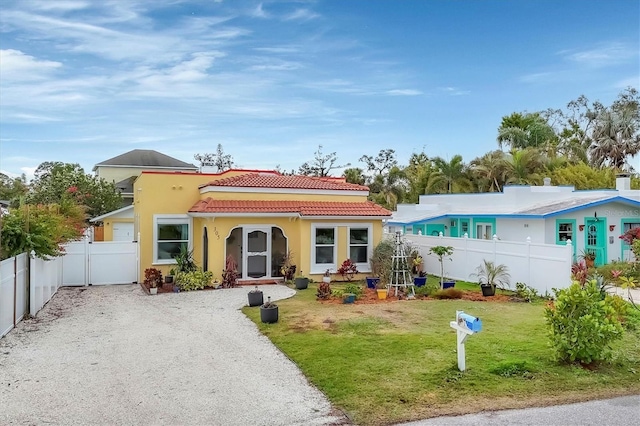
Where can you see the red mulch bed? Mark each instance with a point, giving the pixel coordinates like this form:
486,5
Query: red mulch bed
370,296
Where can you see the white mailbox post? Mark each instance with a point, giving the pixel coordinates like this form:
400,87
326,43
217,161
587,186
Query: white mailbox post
465,325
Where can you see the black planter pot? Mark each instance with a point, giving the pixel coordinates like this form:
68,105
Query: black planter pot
302,283
255,298
488,290
269,315
168,279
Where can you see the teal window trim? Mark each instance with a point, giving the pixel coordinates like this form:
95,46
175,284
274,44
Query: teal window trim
574,231
478,220
624,221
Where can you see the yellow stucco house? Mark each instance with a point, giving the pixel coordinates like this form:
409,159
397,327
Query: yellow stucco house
255,216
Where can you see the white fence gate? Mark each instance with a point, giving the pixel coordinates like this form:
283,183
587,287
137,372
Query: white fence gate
541,266
100,263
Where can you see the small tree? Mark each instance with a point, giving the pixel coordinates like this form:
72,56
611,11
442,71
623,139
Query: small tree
441,252
219,160
348,270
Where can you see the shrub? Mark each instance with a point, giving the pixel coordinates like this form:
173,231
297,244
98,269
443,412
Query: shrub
582,324
579,272
348,269
230,273
194,280
324,291
353,288
525,292
428,289
449,293
184,260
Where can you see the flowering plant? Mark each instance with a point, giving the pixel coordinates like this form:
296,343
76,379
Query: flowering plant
631,235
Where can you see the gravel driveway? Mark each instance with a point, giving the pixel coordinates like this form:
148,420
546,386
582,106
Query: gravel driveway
113,355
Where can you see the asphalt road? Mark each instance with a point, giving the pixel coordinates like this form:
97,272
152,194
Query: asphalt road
622,411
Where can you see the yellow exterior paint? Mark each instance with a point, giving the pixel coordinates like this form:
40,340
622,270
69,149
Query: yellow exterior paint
175,193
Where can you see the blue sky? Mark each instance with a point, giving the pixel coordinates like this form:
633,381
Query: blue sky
83,81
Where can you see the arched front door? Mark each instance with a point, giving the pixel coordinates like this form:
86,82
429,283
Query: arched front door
256,260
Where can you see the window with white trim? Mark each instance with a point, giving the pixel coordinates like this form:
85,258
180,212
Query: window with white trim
170,235
359,246
324,248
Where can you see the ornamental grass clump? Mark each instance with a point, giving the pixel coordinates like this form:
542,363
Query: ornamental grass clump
582,324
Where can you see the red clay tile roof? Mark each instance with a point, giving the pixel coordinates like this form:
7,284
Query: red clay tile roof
272,180
304,208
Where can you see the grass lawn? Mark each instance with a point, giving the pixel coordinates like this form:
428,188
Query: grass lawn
391,362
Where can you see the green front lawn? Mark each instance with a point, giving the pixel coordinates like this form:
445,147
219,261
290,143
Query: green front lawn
390,362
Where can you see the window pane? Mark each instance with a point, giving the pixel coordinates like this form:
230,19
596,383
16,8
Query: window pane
167,251
257,241
359,236
324,236
173,232
358,254
324,255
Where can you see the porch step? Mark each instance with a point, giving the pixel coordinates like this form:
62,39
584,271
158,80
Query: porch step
261,282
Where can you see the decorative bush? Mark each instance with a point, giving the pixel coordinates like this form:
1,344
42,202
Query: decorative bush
230,273
324,291
184,260
449,293
194,280
152,277
579,272
428,289
348,270
353,288
582,324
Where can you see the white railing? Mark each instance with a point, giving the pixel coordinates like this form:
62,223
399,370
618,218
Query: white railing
541,266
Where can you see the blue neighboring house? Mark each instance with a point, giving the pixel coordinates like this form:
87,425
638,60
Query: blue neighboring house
592,220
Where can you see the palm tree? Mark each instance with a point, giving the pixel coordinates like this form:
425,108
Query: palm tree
387,190
354,175
450,175
615,137
520,131
489,171
522,167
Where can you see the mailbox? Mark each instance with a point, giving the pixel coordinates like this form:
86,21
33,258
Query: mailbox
472,323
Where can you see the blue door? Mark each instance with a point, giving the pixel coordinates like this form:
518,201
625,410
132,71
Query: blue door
595,240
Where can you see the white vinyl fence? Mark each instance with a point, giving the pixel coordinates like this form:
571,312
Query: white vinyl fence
541,266
26,285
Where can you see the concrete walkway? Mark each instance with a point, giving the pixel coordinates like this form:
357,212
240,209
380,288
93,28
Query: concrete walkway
113,355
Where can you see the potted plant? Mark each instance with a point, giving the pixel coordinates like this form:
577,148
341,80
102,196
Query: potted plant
255,297
589,257
301,282
152,278
381,290
326,278
168,279
490,276
416,262
421,279
269,312
441,252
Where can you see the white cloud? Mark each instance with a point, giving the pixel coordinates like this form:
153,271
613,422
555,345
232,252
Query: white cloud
403,92
259,12
454,91
631,81
602,56
18,66
301,15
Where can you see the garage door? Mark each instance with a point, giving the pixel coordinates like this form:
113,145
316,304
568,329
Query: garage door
123,232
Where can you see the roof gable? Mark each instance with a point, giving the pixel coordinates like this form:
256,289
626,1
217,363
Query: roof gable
146,158
276,180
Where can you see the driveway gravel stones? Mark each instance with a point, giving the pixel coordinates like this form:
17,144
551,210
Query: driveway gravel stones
113,355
